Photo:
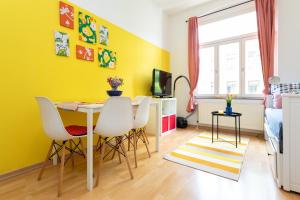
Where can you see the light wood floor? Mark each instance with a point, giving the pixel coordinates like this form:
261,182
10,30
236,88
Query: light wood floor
155,178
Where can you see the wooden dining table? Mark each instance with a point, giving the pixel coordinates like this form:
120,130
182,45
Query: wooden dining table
90,109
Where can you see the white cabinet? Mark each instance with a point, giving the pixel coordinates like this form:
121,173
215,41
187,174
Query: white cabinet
168,119
291,141
168,116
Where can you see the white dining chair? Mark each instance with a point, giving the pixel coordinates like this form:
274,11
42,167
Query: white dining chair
137,100
139,125
54,128
115,121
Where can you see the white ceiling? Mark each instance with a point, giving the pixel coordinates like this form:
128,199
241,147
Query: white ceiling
174,6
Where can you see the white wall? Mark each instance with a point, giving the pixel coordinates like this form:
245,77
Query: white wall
142,18
177,42
252,113
289,40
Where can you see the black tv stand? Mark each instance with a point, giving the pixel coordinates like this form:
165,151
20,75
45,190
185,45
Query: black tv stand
161,97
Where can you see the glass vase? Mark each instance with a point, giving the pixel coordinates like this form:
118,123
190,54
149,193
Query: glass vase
228,109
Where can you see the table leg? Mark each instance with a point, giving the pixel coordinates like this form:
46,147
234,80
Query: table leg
239,129
217,127
158,125
90,181
235,132
212,128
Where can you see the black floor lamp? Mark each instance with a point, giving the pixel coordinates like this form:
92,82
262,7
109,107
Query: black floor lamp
181,122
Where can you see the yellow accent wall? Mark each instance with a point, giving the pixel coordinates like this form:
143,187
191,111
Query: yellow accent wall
29,68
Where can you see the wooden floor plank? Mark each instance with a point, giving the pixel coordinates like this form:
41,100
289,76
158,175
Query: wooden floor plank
155,178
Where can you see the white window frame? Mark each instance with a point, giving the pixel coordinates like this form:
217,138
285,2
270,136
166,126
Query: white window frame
241,39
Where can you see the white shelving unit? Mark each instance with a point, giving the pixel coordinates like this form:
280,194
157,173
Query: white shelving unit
168,116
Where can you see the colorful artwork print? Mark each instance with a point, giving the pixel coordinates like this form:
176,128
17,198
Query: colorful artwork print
107,58
66,15
61,44
103,35
87,28
84,53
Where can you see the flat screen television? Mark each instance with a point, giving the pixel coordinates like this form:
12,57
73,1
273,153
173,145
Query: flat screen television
161,83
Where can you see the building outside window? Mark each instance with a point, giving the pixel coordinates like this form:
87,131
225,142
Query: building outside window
230,57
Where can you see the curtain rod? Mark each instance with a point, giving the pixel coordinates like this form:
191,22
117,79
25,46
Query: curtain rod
217,11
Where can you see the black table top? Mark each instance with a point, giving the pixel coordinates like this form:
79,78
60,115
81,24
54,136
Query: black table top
233,114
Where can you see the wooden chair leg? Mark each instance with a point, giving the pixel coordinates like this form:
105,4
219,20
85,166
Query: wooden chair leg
113,155
61,170
82,147
100,163
145,142
144,131
120,160
128,140
71,147
118,149
98,145
46,160
126,158
114,152
134,147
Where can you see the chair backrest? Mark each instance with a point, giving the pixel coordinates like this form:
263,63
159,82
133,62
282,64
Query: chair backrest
52,122
116,117
138,99
142,114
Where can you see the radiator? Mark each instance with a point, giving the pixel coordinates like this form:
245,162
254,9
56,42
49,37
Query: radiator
252,113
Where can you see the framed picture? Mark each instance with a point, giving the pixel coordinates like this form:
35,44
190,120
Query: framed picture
107,58
84,53
66,15
87,28
103,35
61,43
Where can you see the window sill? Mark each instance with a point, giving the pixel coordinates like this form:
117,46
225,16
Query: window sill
237,97
221,100
236,100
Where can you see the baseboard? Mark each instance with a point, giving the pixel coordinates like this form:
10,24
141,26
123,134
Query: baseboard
230,129
21,171
27,169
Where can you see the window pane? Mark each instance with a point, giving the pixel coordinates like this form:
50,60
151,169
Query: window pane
206,72
229,62
242,24
253,71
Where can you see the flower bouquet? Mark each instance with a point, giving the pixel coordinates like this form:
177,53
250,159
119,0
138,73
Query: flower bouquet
114,83
228,103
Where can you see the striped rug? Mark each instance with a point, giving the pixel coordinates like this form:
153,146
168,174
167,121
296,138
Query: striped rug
220,158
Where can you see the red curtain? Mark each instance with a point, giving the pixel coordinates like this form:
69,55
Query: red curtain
265,11
193,59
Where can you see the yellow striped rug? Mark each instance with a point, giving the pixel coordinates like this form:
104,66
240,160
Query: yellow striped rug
220,158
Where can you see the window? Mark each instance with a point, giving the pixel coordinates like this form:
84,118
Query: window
230,57
206,77
253,71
